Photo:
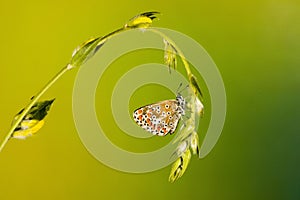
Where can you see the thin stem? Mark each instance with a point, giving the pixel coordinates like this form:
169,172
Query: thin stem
49,84
44,89
109,35
33,101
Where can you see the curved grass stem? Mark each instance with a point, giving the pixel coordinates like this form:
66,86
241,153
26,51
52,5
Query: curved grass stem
33,101
78,62
188,134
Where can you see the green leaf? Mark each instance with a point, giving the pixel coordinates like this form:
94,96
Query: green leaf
195,86
195,143
180,166
170,55
85,51
199,108
33,120
143,20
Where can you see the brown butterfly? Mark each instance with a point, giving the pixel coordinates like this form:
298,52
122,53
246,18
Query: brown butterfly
161,118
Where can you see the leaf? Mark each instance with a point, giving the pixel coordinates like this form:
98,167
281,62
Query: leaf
85,51
185,130
181,148
199,108
143,20
170,55
195,86
180,166
33,121
195,143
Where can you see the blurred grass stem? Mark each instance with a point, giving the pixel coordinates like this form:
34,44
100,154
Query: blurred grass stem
29,106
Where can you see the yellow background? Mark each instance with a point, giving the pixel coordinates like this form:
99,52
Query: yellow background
255,44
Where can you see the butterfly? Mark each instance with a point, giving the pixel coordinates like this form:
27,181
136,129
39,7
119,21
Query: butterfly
161,118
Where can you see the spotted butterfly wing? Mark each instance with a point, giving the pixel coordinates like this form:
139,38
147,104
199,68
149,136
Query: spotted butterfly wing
160,118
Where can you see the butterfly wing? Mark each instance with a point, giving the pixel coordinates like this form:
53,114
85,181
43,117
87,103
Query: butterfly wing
160,118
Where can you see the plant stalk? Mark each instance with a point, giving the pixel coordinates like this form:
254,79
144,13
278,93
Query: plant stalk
29,106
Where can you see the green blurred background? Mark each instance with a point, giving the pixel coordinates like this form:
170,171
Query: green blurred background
256,46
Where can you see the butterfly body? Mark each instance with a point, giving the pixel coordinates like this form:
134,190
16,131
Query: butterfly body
160,118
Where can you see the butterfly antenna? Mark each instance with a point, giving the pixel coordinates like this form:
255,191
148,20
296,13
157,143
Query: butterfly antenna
179,92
